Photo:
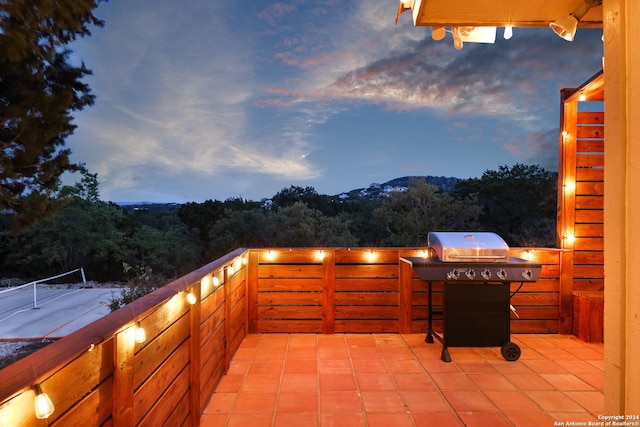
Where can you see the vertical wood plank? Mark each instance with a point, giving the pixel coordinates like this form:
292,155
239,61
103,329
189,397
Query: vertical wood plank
567,211
194,362
227,316
252,291
329,292
404,296
124,347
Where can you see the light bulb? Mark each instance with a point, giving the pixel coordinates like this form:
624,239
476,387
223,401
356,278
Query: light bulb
141,335
457,38
508,32
216,282
43,404
438,33
371,255
191,298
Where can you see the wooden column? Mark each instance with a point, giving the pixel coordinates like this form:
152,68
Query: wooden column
252,291
329,292
194,362
621,21
567,208
123,354
405,290
227,316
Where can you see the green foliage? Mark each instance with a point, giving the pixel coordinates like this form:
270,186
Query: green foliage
518,203
298,225
40,89
408,217
308,195
142,283
245,228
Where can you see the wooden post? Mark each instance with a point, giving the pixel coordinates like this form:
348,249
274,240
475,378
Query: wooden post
404,296
123,354
252,291
567,209
227,315
194,363
329,292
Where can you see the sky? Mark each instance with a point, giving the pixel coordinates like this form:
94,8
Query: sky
203,99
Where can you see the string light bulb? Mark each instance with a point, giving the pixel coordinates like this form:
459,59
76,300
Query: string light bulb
43,405
191,298
371,255
508,32
141,335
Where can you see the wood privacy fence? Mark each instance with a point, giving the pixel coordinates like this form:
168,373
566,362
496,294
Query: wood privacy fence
370,290
580,219
101,376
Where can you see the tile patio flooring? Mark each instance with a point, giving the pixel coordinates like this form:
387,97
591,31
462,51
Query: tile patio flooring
395,380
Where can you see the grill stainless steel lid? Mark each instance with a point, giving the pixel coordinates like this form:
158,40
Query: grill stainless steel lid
457,246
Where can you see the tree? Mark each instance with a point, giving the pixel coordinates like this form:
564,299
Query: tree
299,225
410,216
83,232
307,195
518,203
39,89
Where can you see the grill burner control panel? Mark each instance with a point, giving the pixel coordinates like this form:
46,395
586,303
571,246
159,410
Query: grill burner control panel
489,274
514,270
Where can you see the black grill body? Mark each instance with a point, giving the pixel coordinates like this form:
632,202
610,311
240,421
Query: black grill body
476,309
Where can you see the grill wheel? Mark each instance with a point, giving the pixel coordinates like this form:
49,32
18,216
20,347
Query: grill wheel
510,351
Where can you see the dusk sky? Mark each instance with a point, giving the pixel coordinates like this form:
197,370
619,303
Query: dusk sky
207,99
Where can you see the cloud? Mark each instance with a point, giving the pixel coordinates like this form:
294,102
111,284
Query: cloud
214,91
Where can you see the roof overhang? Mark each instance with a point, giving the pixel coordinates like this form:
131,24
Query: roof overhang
498,13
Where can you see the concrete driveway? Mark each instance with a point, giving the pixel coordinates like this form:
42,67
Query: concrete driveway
59,312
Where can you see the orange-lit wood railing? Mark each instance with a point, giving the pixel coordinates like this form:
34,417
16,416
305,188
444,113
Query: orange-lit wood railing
100,375
369,290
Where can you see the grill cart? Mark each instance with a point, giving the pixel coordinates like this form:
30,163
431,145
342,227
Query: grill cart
476,272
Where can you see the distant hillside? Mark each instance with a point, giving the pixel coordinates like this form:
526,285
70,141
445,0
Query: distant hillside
444,183
150,207
380,190
374,191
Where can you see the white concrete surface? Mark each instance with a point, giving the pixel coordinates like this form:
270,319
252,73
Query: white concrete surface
59,312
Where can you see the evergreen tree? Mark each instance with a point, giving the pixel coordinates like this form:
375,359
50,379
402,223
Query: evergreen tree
39,89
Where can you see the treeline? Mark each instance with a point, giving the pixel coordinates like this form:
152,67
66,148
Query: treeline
115,244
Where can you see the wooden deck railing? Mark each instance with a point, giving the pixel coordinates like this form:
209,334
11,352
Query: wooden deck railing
100,375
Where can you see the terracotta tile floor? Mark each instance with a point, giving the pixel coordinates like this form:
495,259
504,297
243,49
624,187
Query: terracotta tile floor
399,380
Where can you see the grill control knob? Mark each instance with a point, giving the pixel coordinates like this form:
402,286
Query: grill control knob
486,274
453,274
527,274
471,273
502,274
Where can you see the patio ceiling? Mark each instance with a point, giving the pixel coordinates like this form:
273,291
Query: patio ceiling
499,13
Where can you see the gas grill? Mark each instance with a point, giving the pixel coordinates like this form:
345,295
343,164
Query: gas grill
476,271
